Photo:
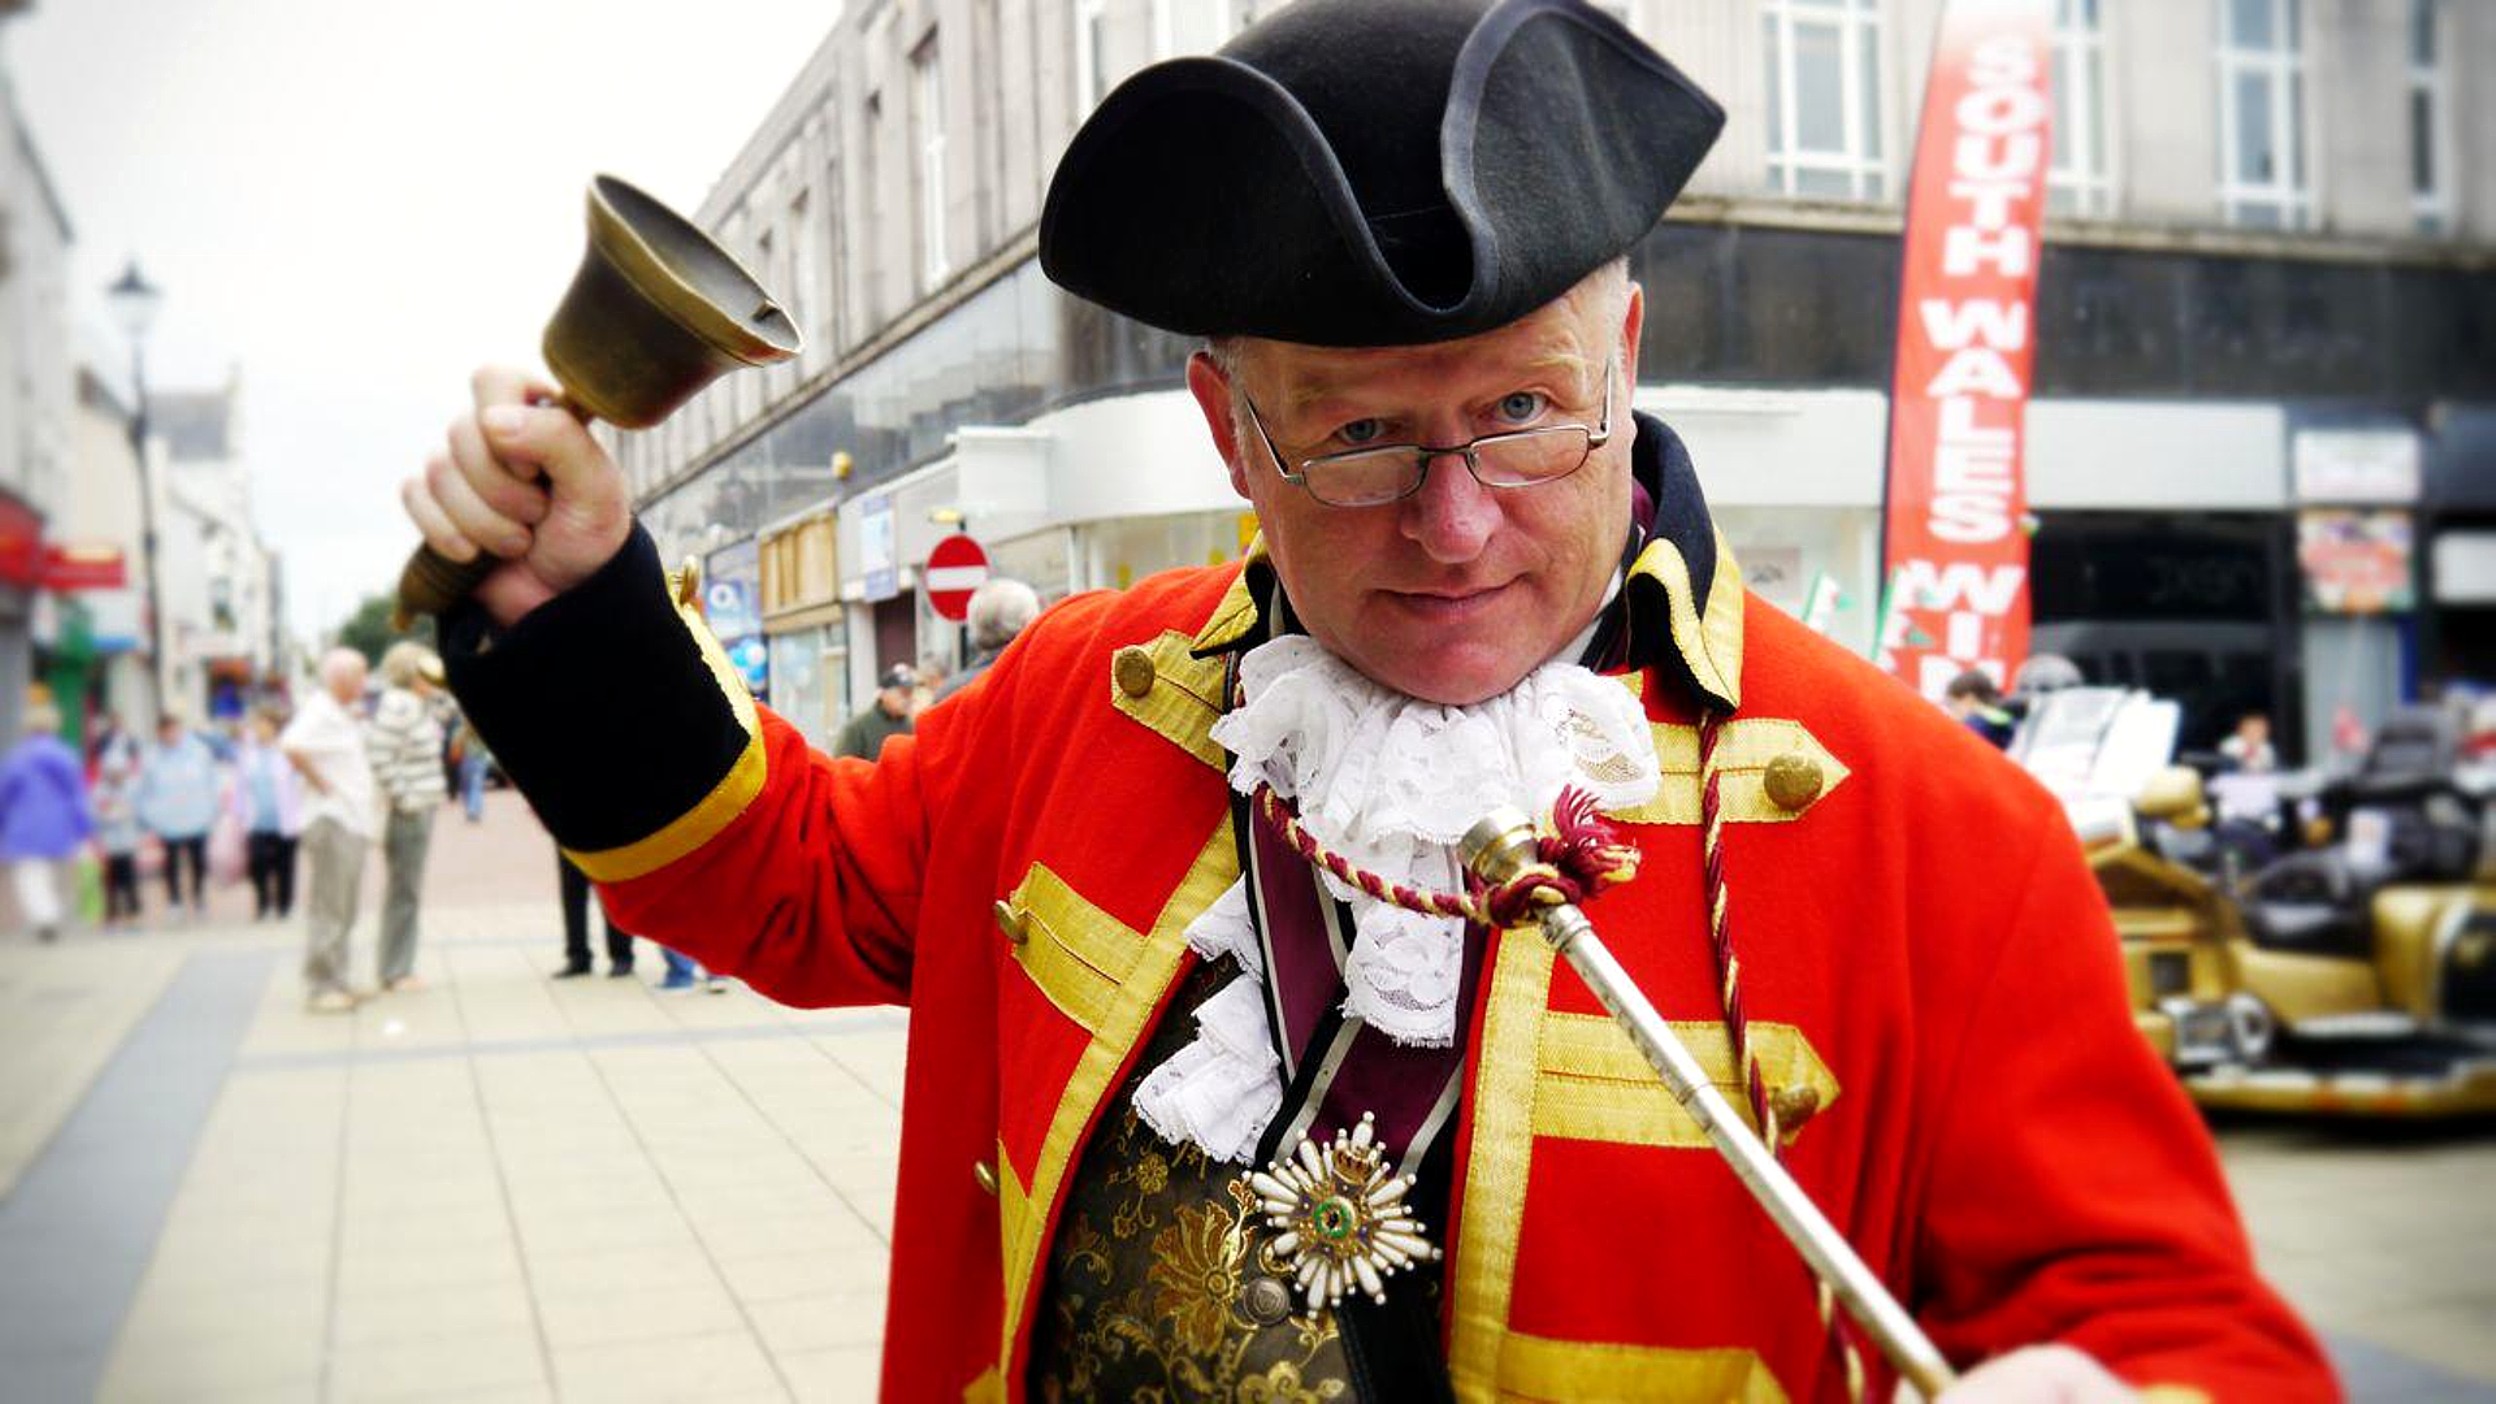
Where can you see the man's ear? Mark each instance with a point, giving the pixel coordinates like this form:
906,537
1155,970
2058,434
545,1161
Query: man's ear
1633,318
1212,390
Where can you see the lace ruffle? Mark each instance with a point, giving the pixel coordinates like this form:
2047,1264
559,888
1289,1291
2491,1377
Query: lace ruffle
1391,783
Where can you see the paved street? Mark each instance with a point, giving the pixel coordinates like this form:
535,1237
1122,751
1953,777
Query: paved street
508,1187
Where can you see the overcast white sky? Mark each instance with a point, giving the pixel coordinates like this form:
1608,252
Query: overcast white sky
354,203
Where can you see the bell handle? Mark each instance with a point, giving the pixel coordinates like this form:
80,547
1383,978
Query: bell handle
430,582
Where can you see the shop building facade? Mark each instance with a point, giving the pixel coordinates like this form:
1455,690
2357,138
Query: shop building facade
2269,219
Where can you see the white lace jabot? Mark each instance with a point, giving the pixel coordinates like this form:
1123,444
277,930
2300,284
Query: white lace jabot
1391,783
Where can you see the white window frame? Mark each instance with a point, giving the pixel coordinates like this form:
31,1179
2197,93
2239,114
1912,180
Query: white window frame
2289,191
1091,67
2082,178
2432,208
1863,163
927,108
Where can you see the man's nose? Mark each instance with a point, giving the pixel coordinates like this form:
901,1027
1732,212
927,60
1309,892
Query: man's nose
1451,516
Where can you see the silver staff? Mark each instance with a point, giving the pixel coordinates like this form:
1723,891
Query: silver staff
1501,847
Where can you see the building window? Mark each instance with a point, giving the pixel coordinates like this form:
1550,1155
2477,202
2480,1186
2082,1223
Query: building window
2430,120
927,113
2262,182
1824,98
1091,53
2080,182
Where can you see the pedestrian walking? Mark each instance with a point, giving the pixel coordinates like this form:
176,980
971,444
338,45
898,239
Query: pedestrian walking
43,818
177,802
470,758
112,742
405,744
325,744
266,799
576,905
114,803
896,698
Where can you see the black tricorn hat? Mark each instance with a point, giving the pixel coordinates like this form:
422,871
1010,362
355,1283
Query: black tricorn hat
1374,172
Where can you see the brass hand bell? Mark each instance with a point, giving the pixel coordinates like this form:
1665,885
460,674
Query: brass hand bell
657,311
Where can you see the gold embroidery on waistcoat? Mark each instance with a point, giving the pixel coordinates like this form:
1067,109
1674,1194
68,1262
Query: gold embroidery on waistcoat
1502,1098
1743,754
1183,701
1539,1368
714,811
1597,1087
1122,1010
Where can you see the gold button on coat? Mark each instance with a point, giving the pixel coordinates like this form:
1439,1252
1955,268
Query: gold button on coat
986,1174
1010,922
1133,668
1792,1106
1793,781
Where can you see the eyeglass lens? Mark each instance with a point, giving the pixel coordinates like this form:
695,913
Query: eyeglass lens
1510,460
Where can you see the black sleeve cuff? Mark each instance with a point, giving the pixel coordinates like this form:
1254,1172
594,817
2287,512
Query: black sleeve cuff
605,704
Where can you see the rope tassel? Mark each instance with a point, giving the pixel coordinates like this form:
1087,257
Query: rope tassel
1582,857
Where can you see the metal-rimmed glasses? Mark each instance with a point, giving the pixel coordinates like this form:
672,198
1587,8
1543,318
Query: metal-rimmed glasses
1373,477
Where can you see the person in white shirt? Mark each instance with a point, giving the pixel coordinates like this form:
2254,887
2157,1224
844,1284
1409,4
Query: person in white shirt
325,742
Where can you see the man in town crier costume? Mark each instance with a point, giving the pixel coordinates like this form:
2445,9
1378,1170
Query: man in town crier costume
1402,227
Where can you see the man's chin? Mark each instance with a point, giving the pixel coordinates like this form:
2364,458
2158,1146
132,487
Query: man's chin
1458,681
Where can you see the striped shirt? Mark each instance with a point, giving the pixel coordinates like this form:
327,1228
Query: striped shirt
405,743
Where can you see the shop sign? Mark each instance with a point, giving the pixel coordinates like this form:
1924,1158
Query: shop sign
731,590
21,542
1955,550
68,568
2355,465
2356,561
879,560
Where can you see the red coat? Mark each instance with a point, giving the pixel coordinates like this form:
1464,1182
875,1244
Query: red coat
1922,947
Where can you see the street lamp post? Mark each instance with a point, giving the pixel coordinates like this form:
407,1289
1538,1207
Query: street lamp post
134,302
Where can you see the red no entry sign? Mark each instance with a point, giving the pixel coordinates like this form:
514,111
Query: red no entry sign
954,569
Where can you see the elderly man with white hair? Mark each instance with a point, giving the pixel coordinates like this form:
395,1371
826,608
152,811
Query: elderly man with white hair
999,610
325,742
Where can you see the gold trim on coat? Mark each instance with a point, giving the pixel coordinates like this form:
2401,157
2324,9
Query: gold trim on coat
1502,1101
1539,1368
1711,645
1184,700
1748,746
1124,1012
714,811
1597,1087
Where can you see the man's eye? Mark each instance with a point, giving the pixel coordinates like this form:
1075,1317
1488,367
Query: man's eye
1523,406
1361,433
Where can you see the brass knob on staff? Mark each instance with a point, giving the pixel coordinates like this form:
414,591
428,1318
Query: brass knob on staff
657,311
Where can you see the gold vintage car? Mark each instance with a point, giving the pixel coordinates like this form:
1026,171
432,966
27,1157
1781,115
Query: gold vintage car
2356,976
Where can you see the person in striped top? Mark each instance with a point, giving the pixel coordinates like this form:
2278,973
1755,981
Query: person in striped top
405,743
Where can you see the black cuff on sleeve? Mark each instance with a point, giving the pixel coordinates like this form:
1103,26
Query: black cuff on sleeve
599,703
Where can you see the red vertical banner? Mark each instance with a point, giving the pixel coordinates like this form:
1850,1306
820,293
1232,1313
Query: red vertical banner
1955,553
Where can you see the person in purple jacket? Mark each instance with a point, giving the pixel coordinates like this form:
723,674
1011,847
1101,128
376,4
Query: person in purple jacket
43,817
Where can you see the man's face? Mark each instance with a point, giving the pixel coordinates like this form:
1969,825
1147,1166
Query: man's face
1455,593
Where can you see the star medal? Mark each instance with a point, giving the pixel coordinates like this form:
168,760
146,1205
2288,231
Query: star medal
1340,1216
